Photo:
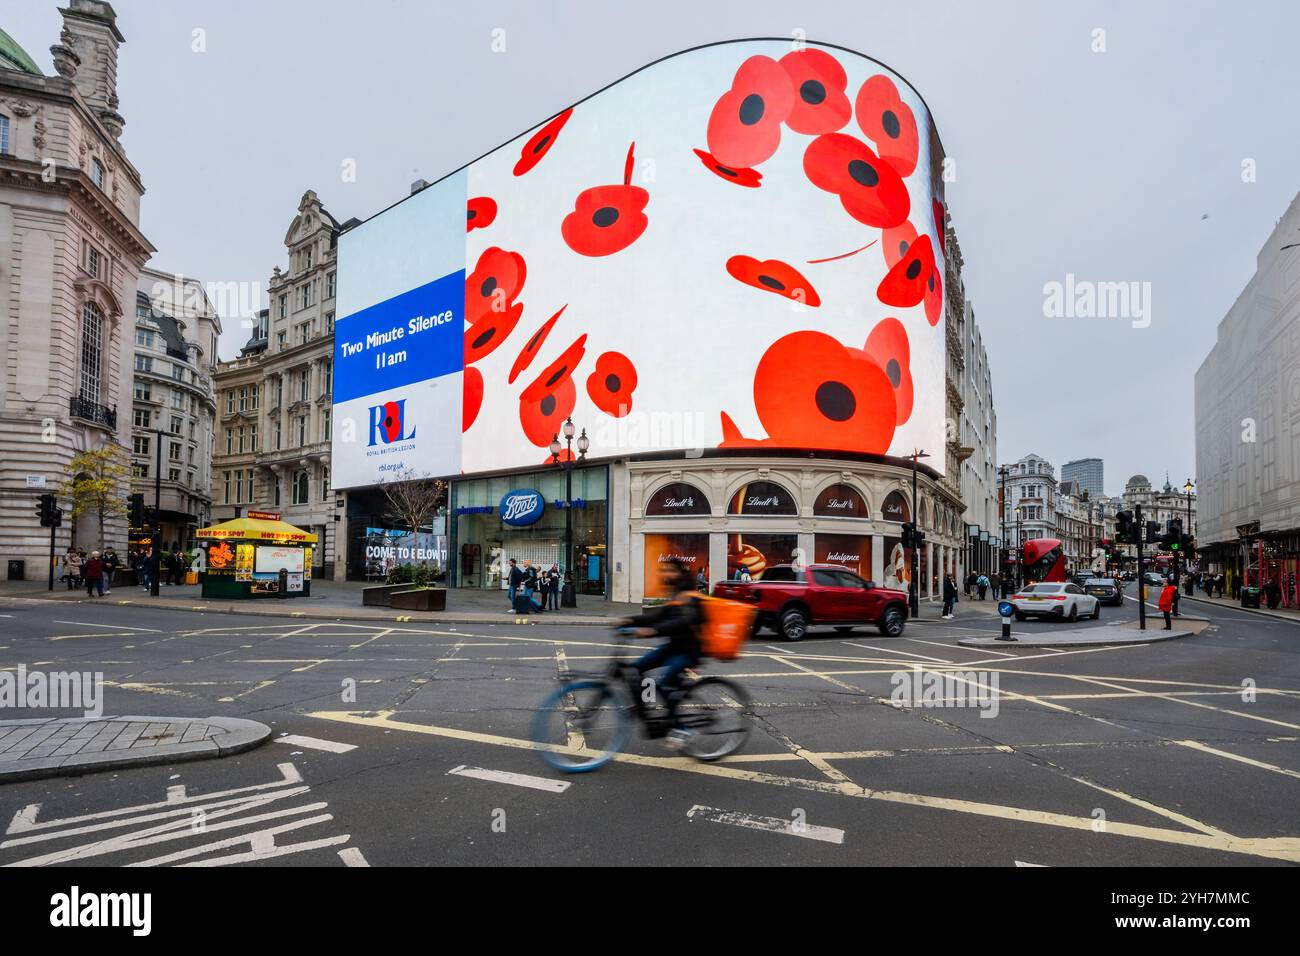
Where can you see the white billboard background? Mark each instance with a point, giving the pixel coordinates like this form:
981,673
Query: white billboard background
694,333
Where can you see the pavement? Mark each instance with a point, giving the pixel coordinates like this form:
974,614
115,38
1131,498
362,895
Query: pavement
334,600
1279,613
1110,635
409,744
68,746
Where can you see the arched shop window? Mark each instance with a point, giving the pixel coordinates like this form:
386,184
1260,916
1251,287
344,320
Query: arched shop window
762,498
895,508
841,501
677,499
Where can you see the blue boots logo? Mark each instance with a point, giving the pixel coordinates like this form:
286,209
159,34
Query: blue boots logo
387,423
524,506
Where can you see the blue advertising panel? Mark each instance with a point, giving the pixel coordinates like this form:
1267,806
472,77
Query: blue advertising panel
409,338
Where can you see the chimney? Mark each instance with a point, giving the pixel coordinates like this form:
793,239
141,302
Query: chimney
90,33
418,185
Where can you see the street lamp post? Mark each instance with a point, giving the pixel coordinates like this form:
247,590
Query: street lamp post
568,594
156,530
1189,487
1002,513
914,590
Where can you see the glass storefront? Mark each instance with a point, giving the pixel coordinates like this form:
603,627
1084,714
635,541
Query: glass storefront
486,534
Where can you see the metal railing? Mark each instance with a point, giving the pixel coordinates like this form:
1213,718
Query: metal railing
82,408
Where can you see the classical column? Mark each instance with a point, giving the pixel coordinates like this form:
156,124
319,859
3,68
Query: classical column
878,558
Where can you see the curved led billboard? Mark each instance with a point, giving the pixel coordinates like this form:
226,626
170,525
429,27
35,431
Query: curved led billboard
739,246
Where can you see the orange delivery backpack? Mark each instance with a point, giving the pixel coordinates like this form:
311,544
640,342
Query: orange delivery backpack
726,626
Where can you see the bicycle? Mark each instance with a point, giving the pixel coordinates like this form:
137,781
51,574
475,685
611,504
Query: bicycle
580,726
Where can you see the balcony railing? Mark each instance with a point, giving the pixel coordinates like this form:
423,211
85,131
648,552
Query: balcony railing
92,412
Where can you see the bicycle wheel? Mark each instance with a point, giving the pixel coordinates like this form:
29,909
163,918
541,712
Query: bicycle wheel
580,726
717,714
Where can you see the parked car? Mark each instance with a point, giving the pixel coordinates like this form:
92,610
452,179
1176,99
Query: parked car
790,599
1105,590
1055,600
1081,577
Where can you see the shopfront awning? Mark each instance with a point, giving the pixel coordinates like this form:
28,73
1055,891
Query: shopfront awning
258,529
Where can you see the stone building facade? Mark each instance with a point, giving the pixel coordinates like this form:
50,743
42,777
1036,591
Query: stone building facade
176,334
71,253
274,400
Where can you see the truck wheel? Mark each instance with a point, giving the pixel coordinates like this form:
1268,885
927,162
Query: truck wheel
891,622
794,624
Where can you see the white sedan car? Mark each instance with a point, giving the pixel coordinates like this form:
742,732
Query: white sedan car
1056,600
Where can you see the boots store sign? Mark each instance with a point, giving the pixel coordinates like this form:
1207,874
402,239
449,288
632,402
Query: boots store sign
542,280
521,507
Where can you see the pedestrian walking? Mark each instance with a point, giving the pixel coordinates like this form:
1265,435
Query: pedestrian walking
972,580
530,585
1167,598
949,596
146,569
93,574
702,581
1219,580
111,564
552,585
982,586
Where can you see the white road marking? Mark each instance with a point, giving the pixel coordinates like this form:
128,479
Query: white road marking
771,824
1021,863
514,779
894,650
315,743
351,856
111,627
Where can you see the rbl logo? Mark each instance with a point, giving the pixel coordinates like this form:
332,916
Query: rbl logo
387,423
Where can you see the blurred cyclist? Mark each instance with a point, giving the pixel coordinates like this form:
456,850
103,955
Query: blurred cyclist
679,621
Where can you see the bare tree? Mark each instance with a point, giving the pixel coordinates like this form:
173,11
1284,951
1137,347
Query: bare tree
414,499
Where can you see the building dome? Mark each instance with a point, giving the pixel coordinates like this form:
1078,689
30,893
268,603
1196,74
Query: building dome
1138,481
14,57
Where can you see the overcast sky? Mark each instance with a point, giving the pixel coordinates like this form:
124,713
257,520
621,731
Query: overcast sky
1122,165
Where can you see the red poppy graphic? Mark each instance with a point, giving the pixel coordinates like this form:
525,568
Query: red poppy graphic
392,422
473,397
888,122
607,219
540,143
773,275
565,455
939,219
745,125
490,307
820,105
732,438
887,346
905,283
556,372
612,384
541,419
529,351
934,297
869,189
480,213
741,177
810,391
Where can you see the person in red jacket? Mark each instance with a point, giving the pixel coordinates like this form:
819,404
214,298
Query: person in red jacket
1167,603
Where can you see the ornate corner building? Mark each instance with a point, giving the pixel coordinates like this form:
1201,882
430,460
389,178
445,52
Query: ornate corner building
71,254
274,401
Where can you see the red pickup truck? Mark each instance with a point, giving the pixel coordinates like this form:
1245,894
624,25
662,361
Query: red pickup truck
790,598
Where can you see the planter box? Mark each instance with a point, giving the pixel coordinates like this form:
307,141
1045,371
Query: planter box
380,594
419,599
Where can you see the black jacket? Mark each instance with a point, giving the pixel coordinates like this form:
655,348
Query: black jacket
949,590
516,576
679,622
531,578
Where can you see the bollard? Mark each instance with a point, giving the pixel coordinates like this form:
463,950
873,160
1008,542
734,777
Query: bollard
284,583
1006,609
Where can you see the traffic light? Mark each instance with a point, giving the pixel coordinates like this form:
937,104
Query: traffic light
1124,527
909,532
45,510
1153,532
137,510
